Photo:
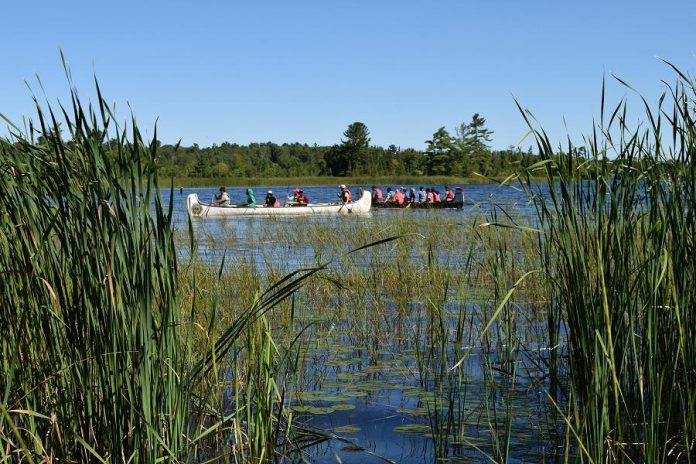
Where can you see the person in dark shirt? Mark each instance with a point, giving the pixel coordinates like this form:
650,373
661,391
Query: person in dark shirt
271,201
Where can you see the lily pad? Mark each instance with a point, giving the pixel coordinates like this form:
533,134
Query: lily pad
332,398
413,412
343,407
320,411
346,429
412,428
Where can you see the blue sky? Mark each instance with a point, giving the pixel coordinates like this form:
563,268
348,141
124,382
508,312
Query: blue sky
302,71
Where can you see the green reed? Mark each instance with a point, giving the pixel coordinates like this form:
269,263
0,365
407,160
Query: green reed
617,243
90,354
100,361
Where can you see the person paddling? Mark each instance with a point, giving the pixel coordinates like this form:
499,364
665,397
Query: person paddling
302,199
221,198
431,195
459,198
292,200
398,197
376,195
251,199
271,200
344,194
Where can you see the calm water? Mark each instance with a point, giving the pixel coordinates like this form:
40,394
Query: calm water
368,389
248,238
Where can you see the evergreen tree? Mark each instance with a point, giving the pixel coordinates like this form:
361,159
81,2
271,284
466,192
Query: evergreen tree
474,137
354,148
441,154
472,140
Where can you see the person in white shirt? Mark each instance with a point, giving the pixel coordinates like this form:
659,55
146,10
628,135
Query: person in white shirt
222,198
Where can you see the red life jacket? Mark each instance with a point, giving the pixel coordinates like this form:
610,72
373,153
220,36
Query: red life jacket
436,197
378,193
449,196
431,197
276,204
347,196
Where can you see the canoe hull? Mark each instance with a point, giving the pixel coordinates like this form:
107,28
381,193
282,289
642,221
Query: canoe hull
440,205
202,210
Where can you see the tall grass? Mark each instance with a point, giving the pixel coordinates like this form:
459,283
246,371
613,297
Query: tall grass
618,231
90,353
98,361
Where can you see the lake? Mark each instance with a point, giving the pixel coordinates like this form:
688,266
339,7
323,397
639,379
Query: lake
376,366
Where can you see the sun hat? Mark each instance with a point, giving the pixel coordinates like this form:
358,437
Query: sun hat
270,191
342,186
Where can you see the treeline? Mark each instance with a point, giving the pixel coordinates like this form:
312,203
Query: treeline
461,154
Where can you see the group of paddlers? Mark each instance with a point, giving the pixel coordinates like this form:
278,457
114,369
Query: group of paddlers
298,198
397,197
423,196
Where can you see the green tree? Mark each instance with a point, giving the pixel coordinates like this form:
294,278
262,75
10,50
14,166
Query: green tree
221,169
474,137
441,154
354,147
472,140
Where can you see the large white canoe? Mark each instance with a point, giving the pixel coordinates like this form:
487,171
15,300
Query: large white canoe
202,210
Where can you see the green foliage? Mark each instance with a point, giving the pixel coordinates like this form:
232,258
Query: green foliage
97,362
90,353
618,246
441,154
472,141
354,156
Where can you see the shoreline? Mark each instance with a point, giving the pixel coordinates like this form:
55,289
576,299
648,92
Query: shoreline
185,182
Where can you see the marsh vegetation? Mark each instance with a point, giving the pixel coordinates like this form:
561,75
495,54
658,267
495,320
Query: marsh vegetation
563,332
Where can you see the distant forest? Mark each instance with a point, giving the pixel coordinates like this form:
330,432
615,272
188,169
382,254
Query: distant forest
462,154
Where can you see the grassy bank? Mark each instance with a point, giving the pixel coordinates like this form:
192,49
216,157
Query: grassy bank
305,181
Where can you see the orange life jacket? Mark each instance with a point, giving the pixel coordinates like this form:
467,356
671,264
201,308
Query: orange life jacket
399,197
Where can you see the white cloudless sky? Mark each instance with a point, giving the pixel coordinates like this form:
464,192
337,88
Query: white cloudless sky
301,71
